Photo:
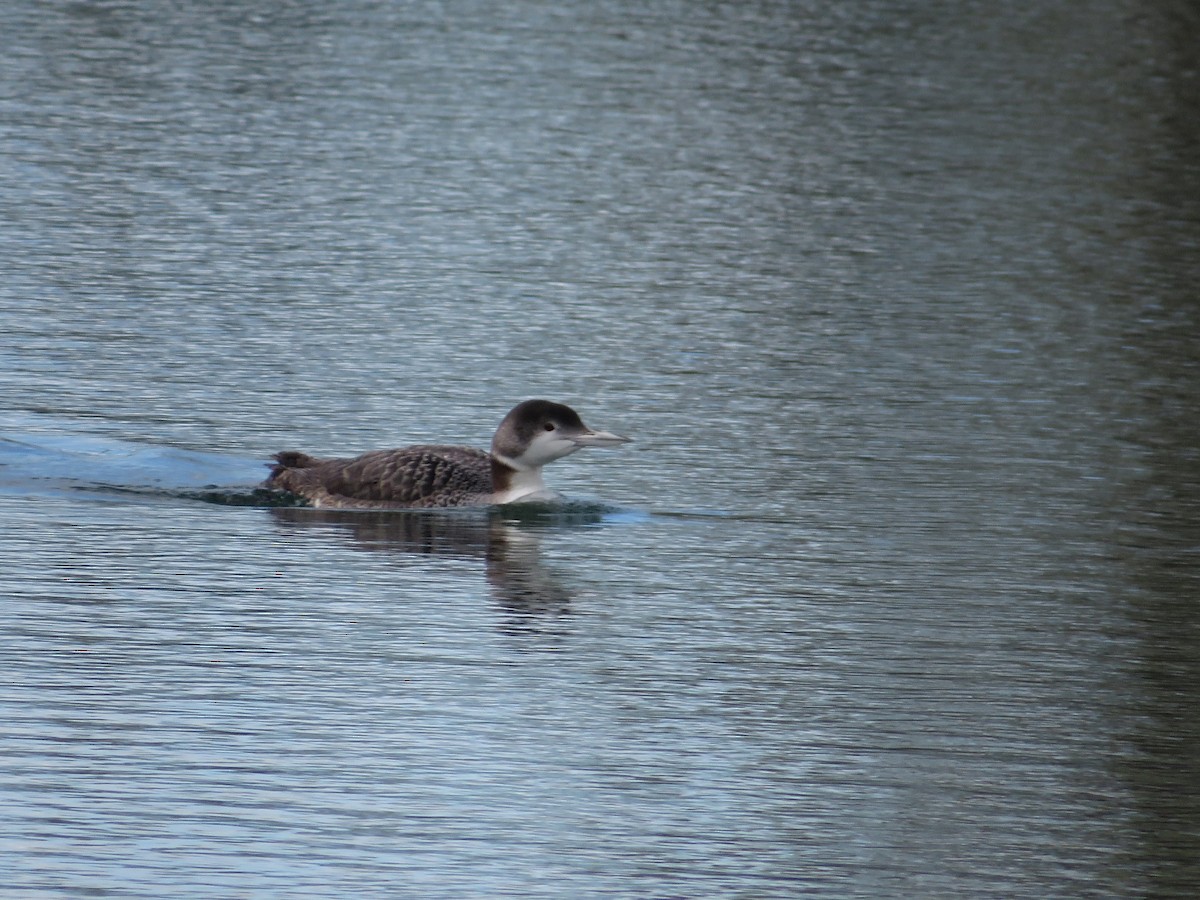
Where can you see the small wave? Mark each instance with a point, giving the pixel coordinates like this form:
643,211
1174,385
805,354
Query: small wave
91,467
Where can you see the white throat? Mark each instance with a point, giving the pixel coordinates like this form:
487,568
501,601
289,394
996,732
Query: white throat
526,484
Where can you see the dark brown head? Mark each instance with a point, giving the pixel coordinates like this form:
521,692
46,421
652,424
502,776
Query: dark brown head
536,432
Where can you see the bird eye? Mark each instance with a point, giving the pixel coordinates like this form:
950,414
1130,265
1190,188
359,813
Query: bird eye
549,426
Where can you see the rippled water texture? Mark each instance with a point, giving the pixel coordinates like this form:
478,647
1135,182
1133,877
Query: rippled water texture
895,594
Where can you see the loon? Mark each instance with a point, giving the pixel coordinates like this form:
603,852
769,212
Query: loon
534,433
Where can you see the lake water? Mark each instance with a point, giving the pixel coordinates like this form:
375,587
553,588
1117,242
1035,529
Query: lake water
895,594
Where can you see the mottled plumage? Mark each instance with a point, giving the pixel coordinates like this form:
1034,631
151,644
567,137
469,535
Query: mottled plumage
419,476
429,475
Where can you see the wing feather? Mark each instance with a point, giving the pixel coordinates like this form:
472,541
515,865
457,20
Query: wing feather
421,475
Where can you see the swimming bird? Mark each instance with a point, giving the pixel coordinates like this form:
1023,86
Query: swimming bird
533,433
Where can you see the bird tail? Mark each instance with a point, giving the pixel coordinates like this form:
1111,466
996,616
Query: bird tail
291,459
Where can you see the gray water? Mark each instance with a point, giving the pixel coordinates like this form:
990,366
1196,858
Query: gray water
895,595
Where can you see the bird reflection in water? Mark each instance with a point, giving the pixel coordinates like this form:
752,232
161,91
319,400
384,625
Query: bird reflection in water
507,542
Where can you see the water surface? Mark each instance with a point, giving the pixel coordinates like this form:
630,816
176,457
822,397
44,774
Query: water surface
894,595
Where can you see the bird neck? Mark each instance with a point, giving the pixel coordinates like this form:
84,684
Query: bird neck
511,482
